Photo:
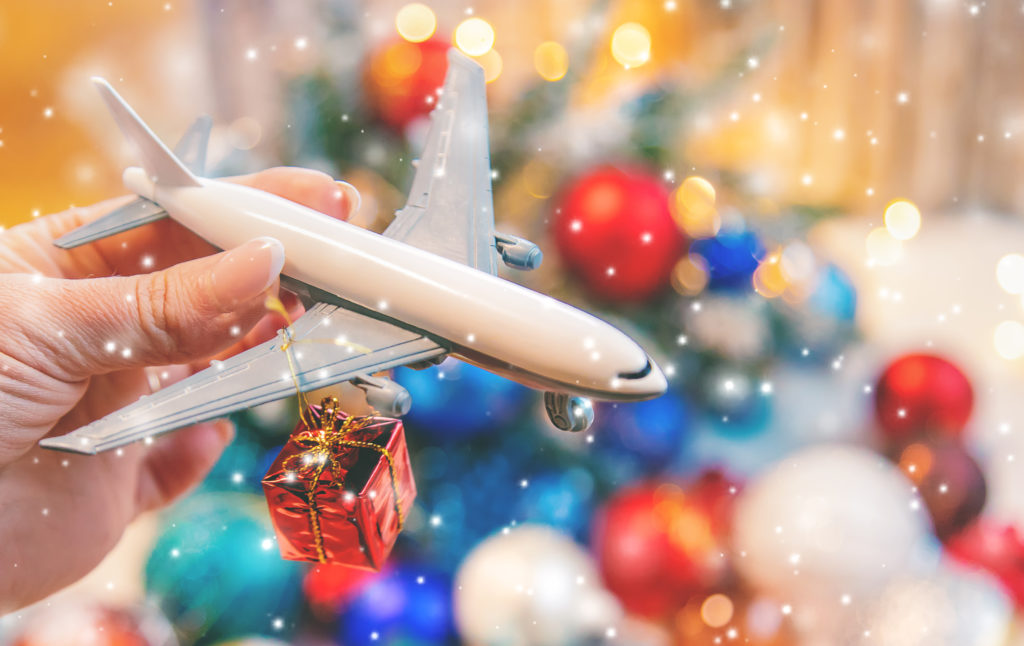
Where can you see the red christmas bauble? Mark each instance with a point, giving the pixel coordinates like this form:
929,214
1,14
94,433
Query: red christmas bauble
657,545
994,547
614,231
328,587
922,394
402,79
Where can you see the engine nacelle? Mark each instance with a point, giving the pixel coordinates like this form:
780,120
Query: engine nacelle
568,413
517,252
384,396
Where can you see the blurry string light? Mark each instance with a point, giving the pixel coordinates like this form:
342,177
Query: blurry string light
474,36
492,63
631,45
769,279
690,275
1010,273
415,22
695,208
551,60
883,248
717,610
1009,340
902,219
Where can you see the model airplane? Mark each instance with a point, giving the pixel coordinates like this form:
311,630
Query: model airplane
425,289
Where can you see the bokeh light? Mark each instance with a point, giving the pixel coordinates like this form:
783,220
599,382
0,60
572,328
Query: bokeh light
768,279
1009,339
631,45
902,219
1010,273
415,22
883,249
474,36
695,208
551,60
716,611
690,275
492,64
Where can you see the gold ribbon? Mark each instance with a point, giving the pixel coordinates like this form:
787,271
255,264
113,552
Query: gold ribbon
322,441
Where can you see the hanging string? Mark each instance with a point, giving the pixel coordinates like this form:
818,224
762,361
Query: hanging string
322,439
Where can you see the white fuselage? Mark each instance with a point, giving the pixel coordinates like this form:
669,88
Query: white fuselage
489,321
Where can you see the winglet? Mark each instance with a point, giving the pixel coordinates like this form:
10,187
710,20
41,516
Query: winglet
159,162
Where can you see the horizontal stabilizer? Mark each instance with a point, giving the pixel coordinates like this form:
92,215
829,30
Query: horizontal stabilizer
191,148
131,215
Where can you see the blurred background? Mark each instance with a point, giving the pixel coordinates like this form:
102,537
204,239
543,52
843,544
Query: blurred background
808,212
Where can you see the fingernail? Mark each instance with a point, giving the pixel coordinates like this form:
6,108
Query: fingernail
354,198
247,271
226,430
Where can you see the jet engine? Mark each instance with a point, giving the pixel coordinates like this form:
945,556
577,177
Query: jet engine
385,396
518,253
569,413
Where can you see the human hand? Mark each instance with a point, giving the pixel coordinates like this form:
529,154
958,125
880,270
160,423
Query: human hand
78,330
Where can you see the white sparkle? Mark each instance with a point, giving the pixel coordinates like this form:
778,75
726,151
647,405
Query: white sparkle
301,43
251,54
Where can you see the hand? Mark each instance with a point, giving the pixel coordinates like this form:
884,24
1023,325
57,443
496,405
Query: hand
78,329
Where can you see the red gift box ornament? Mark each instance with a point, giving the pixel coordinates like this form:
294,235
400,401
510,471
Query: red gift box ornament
340,489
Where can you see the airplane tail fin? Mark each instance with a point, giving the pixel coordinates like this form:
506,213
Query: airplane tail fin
160,163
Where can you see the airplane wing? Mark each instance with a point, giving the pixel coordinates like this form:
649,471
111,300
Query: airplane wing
329,344
191,149
454,218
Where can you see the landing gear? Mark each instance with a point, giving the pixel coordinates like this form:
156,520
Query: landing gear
569,413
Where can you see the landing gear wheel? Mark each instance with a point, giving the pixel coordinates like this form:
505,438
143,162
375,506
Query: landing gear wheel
567,413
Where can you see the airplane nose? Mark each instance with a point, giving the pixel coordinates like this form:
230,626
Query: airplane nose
646,384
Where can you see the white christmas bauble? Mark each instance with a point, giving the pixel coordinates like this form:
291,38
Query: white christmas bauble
829,522
531,586
951,607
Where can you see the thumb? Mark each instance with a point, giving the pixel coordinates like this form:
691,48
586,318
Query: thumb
180,314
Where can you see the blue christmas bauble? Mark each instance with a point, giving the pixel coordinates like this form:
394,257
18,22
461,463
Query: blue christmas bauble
216,572
834,295
648,434
407,604
455,400
559,499
731,257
